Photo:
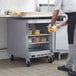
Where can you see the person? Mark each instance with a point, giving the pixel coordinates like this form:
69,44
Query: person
68,7
63,23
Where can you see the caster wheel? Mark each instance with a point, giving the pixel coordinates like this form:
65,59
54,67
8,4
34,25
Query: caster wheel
28,63
12,58
50,59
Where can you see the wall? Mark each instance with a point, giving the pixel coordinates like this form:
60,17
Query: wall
23,5
46,1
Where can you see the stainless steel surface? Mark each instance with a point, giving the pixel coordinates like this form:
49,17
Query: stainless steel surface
18,39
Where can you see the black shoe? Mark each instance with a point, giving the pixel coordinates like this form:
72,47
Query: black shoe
63,68
72,73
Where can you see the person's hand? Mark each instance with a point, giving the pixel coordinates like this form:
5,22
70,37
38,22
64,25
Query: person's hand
52,28
49,25
58,26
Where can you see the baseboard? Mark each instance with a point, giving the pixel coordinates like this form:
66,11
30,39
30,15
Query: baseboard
4,54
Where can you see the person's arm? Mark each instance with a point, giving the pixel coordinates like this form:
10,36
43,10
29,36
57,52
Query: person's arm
63,23
54,17
58,5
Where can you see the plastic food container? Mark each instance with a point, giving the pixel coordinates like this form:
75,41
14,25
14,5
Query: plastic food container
43,39
36,32
52,29
30,32
30,40
36,39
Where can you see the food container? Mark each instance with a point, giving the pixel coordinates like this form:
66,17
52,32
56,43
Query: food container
29,40
36,39
30,32
36,32
52,29
43,39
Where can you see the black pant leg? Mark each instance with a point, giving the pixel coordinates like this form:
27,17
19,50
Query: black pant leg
71,27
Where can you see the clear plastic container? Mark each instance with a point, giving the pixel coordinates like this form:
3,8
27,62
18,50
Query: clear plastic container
52,29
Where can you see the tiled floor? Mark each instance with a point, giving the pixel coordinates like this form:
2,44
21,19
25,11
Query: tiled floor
37,68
